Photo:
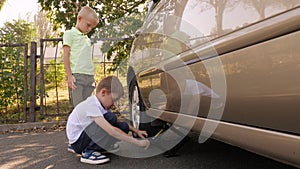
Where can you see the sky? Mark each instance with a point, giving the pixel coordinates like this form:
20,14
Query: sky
18,9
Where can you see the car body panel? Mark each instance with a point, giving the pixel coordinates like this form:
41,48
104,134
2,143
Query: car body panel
243,79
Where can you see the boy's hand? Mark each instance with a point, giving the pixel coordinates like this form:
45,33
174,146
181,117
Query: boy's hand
71,81
145,143
142,134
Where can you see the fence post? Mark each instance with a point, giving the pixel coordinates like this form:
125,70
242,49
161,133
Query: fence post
33,51
25,83
42,77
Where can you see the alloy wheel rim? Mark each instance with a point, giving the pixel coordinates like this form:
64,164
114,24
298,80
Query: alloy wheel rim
135,108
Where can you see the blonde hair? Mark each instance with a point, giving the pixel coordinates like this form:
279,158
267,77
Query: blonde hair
88,12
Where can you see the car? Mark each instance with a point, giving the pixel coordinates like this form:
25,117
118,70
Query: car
228,70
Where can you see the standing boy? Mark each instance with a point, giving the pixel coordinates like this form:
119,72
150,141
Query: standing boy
78,62
92,127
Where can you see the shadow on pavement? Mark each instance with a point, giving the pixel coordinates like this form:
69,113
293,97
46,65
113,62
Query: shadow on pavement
49,150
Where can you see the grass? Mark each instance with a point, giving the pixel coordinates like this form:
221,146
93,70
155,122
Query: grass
57,106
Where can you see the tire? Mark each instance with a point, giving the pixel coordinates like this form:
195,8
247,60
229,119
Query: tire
138,116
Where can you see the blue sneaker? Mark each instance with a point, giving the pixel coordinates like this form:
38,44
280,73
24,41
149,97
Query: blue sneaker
113,149
70,149
93,157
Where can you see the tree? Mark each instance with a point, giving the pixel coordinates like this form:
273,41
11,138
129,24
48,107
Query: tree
12,65
63,14
290,3
2,2
18,31
119,49
219,6
44,26
261,5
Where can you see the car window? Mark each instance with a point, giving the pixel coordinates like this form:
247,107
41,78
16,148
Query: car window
175,26
214,18
207,19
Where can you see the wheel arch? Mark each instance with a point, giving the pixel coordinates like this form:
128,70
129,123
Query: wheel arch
131,83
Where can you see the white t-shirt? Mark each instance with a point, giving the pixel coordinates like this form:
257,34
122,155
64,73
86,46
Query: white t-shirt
80,117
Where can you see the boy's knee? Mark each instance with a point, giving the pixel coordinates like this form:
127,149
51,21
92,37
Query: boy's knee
124,127
111,118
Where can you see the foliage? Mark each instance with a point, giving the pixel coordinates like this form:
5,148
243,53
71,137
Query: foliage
2,2
118,19
121,49
261,5
12,81
44,26
12,64
64,13
54,74
18,31
123,30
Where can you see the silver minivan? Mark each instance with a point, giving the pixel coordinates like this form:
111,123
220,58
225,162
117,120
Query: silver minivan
227,69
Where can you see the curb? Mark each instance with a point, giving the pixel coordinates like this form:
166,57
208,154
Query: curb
32,126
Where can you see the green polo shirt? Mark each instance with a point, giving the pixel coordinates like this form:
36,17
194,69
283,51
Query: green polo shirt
80,51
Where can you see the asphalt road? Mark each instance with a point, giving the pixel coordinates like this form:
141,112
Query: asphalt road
45,150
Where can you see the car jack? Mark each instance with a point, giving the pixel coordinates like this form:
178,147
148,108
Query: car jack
173,151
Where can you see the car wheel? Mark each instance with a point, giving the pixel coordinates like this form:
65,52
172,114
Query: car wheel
135,108
139,119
